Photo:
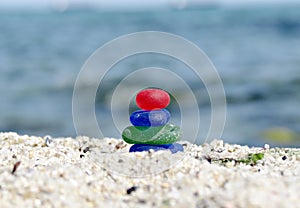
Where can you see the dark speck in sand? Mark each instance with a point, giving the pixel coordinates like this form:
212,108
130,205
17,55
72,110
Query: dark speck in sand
142,201
16,165
86,150
131,189
48,140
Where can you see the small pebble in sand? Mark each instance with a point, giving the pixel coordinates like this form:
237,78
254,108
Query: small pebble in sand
48,140
16,165
86,149
266,146
131,189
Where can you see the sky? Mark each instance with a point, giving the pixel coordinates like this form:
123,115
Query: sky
64,4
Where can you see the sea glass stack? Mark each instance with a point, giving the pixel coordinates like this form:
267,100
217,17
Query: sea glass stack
150,126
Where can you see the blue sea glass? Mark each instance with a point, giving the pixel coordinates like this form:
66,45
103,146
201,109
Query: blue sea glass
150,118
175,147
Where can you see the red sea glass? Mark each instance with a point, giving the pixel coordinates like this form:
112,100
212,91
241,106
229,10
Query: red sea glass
152,99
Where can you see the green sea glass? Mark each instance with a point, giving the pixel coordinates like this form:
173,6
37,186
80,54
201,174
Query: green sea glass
166,134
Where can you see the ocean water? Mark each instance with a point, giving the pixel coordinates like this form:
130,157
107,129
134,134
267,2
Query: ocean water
255,50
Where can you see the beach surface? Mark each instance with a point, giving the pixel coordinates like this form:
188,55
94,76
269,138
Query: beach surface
86,172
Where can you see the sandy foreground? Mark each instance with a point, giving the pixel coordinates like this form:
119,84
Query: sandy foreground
85,172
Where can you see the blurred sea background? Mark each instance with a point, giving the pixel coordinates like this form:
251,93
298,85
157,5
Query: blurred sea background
255,48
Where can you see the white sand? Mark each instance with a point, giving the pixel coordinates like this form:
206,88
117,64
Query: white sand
65,173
